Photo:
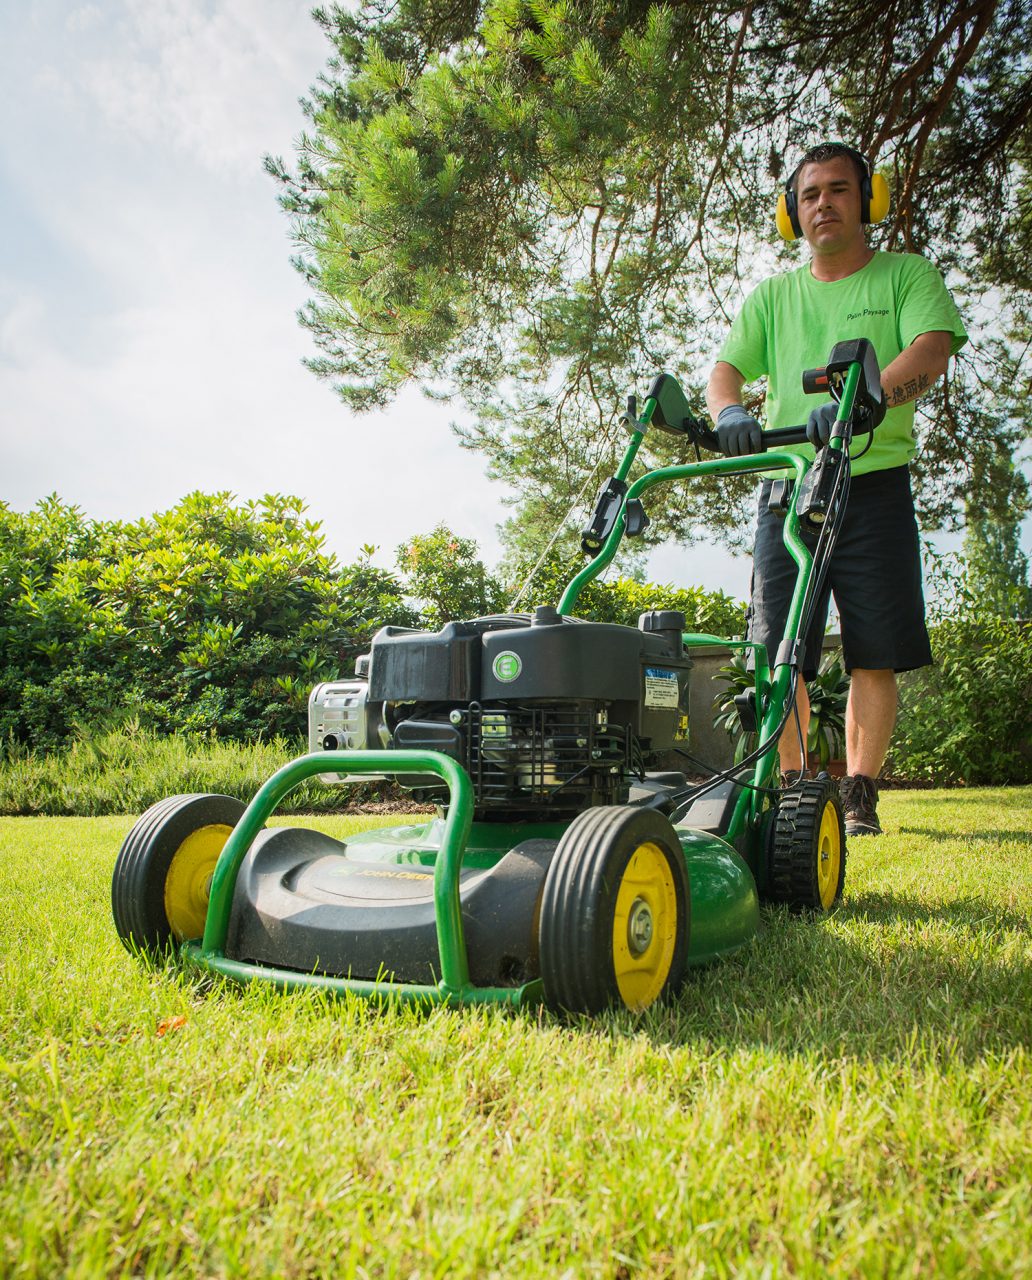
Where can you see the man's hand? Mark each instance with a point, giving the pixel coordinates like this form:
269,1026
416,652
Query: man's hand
738,432
821,421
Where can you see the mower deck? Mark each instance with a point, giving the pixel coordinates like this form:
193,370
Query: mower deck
364,908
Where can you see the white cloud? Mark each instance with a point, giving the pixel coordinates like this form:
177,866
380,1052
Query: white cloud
209,80
148,344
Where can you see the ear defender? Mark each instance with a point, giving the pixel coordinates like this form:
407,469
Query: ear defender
874,200
786,218
878,203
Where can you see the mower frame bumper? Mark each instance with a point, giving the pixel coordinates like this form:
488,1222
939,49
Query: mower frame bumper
454,986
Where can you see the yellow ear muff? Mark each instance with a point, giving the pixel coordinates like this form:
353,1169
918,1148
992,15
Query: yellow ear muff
784,221
879,206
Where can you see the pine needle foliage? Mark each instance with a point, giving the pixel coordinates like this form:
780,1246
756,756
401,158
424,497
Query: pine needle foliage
532,205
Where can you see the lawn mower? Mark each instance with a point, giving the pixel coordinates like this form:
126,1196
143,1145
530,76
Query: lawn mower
567,861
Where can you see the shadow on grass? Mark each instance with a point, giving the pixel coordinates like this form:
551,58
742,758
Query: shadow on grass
834,987
968,913
940,837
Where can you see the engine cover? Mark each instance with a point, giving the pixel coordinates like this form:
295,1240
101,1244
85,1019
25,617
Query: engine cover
548,715
640,674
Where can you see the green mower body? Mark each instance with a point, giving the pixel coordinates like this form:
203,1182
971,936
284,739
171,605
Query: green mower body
572,859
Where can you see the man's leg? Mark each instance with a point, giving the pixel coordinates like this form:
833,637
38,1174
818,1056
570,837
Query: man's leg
876,579
870,719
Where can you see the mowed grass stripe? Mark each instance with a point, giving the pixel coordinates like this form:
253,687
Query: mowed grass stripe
848,1096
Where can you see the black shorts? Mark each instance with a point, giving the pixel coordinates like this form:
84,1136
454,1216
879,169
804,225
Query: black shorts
874,575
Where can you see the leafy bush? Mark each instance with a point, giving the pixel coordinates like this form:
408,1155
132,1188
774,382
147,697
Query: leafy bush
209,617
446,575
624,599
217,618
967,717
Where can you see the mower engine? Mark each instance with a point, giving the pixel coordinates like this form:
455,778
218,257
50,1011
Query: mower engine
549,715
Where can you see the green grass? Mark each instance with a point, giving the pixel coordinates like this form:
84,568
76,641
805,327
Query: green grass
847,1097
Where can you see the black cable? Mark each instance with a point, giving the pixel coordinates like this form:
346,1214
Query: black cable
821,561
728,775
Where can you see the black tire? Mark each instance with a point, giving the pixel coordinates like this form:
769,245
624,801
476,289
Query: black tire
612,933
145,860
808,852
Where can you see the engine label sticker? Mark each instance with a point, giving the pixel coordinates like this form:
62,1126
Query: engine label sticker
660,687
507,666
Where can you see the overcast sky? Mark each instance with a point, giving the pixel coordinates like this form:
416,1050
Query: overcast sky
148,339
148,336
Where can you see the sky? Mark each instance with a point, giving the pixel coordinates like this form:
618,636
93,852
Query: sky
149,344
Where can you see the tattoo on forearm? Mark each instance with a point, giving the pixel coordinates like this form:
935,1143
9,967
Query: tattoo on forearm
910,389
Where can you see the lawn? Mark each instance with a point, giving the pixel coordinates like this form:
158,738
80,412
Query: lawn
847,1097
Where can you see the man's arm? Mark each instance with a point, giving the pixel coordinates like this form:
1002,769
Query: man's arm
724,388
917,368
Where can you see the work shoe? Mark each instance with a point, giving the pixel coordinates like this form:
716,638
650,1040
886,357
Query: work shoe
792,777
860,805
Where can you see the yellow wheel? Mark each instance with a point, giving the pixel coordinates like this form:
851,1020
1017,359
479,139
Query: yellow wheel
808,858
614,912
830,856
188,881
644,927
162,876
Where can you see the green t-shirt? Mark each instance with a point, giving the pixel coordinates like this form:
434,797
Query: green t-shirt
792,321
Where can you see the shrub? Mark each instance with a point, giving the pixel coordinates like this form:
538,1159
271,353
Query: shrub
209,617
828,693
966,719
625,599
446,575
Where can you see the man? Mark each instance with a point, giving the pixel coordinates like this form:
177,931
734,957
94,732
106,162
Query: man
788,324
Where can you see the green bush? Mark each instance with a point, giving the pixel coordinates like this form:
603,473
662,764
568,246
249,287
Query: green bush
218,618
967,718
625,599
445,574
209,617
828,693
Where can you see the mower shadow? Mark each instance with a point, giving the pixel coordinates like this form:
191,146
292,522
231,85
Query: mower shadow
882,974
965,913
942,837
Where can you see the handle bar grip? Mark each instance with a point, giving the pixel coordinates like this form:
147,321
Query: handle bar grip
775,436
772,438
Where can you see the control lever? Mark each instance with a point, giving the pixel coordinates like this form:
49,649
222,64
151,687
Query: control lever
603,521
817,487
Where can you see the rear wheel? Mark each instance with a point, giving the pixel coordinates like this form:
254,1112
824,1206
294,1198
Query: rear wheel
614,912
162,876
808,855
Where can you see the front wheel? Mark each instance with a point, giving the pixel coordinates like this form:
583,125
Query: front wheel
808,855
162,876
614,912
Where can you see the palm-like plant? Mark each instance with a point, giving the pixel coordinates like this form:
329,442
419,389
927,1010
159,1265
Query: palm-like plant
828,693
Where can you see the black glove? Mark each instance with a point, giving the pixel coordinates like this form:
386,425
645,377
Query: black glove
738,432
822,419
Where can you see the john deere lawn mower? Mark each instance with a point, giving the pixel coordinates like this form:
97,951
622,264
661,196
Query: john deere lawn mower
568,860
